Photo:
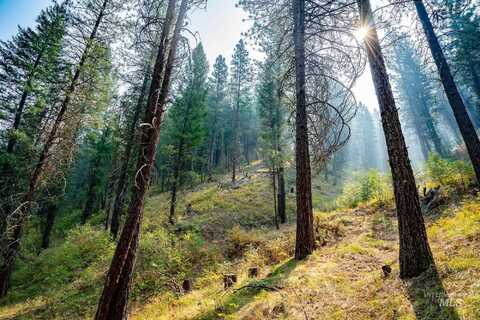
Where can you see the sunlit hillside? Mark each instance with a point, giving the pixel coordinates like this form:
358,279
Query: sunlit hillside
239,159
231,231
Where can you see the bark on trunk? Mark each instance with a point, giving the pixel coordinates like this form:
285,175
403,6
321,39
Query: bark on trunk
113,302
281,196
13,242
415,254
275,207
305,243
122,180
213,138
236,143
176,175
50,211
459,110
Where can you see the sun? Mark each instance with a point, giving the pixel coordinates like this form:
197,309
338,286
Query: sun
361,32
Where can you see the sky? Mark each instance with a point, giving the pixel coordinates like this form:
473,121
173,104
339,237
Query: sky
219,27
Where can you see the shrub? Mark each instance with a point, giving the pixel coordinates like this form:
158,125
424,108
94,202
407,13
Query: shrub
448,172
366,187
83,255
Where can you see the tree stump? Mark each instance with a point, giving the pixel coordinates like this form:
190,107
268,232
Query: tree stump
253,272
386,270
187,285
229,280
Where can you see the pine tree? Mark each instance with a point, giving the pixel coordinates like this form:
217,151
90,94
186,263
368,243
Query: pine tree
114,299
240,77
11,246
462,24
464,122
415,90
305,243
100,152
215,120
28,65
415,254
130,142
272,120
186,119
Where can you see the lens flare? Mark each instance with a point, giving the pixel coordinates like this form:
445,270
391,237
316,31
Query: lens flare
361,33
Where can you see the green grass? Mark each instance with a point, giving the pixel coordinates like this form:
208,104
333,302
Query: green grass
232,231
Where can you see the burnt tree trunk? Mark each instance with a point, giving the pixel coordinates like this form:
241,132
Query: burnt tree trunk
305,243
120,189
13,240
415,254
458,106
114,299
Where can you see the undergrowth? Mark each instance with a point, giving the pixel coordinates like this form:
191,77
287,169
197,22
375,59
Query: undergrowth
232,230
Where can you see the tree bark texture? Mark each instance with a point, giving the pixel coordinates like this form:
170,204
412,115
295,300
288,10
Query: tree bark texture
415,254
114,299
120,189
305,243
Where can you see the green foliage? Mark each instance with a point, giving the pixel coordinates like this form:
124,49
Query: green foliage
448,172
185,130
165,261
366,187
272,115
83,253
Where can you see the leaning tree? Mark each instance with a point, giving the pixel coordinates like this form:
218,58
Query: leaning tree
415,254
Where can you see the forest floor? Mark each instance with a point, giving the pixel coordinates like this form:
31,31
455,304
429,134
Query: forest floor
231,230
343,279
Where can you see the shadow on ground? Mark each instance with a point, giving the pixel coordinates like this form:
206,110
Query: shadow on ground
429,298
246,293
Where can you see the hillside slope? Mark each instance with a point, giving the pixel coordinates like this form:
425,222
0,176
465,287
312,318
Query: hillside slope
344,280
230,230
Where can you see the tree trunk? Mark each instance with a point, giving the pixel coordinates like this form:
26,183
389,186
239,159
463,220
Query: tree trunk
459,110
49,211
305,243
415,254
281,196
122,180
114,299
21,106
176,175
213,138
236,143
13,242
275,207
91,199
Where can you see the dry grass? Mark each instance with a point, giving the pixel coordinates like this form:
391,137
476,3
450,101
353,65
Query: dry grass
343,279
233,231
